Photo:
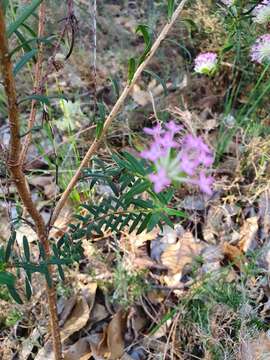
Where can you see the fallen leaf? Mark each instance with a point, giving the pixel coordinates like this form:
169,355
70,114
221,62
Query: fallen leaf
65,307
234,254
47,183
264,212
212,255
46,353
256,349
79,351
115,335
248,233
77,319
177,256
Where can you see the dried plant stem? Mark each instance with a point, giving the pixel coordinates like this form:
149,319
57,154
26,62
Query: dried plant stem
18,176
37,82
114,112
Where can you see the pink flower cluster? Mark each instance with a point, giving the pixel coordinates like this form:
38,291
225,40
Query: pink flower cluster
228,2
260,51
261,13
206,63
187,160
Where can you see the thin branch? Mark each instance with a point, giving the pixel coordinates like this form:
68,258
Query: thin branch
18,176
37,81
114,112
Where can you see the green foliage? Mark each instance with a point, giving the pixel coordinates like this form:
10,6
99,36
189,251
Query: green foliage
170,8
28,11
124,206
65,252
13,317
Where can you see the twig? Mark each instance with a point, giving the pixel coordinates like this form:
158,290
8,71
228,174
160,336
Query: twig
37,81
18,176
93,9
114,112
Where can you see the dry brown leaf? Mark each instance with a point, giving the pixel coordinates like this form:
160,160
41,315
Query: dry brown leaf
256,349
248,234
140,96
66,308
110,344
264,211
46,352
77,319
89,293
115,335
79,351
61,223
234,254
176,256
98,313
47,183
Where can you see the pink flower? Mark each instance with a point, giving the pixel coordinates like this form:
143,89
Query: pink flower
173,127
205,183
260,51
175,161
228,2
206,63
155,131
160,180
261,13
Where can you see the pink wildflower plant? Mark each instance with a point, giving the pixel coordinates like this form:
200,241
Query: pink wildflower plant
260,51
261,13
187,160
228,2
206,63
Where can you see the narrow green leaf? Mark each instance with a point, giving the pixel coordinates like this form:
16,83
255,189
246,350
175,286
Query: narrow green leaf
144,30
28,288
137,189
42,251
158,78
24,60
115,85
14,294
99,128
10,245
131,69
24,44
42,98
61,272
5,5
135,223
135,163
144,224
101,110
7,278
28,10
167,220
154,219
170,9
174,212
26,248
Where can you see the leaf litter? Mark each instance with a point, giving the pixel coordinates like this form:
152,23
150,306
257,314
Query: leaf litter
175,266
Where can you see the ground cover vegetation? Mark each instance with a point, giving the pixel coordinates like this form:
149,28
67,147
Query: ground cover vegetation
134,169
